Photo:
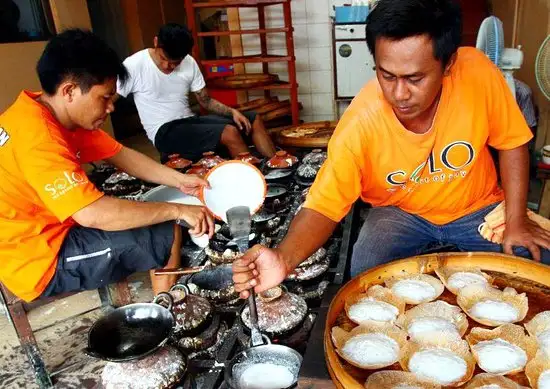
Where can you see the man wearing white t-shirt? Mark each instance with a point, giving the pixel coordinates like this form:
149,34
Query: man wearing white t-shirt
160,78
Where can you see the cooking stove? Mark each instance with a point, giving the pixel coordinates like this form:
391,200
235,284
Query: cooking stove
206,368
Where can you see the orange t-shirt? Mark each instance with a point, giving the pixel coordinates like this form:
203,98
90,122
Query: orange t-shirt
441,175
42,185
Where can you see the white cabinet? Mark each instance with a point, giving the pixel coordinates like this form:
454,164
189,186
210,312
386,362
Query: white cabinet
354,63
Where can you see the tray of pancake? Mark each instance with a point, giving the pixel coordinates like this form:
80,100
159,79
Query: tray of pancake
468,320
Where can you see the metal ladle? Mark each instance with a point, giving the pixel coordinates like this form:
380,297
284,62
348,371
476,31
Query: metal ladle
259,351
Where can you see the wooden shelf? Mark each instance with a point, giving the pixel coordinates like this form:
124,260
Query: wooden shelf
236,3
244,32
275,85
248,59
192,8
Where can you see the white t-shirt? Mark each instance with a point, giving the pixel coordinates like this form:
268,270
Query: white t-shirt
160,98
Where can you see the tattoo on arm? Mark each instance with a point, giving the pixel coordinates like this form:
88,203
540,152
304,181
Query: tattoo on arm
212,105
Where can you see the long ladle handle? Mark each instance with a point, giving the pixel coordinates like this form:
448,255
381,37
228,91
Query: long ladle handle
255,334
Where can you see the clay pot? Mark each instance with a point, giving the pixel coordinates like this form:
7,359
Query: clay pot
316,157
192,313
282,160
160,370
271,305
214,284
178,163
198,169
121,184
210,159
248,157
221,250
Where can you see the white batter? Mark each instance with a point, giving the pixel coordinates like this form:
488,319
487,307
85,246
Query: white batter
438,365
491,386
266,376
415,291
369,309
461,279
371,350
543,340
424,325
494,310
405,386
499,356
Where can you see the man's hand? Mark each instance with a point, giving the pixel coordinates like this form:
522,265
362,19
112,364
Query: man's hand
525,233
198,218
241,121
261,268
190,184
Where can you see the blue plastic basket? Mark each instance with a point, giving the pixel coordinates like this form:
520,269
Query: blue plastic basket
351,14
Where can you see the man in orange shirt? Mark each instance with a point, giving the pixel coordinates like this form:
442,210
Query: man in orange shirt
414,143
58,232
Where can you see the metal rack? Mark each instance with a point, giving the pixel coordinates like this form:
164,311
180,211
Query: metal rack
263,57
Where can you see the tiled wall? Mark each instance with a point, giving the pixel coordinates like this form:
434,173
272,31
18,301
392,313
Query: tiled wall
313,50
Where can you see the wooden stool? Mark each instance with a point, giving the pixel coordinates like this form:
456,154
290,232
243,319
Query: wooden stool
16,310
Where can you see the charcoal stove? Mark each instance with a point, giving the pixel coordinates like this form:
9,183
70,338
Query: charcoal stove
206,367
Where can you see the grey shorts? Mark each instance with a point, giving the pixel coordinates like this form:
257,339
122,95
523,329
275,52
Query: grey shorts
192,136
90,258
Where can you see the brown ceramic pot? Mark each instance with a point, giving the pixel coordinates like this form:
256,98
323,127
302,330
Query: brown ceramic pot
279,311
198,169
178,163
210,159
282,160
192,313
248,157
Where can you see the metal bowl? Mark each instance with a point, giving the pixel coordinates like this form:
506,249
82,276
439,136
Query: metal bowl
268,353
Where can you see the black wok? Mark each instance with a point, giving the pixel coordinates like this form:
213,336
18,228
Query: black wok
130,332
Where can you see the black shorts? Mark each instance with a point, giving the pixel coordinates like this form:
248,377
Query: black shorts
192,136
91,258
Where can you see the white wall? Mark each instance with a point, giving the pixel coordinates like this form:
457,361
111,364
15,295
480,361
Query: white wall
313,50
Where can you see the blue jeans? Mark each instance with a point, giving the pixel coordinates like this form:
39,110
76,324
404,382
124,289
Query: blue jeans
390,233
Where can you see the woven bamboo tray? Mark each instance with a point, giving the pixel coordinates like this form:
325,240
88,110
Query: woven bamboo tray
523,275
315,134
238,81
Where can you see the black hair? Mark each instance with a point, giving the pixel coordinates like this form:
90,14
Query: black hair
441,20
176,40
79,55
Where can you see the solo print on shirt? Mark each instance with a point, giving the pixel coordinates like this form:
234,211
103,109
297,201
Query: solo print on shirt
64,183
455,157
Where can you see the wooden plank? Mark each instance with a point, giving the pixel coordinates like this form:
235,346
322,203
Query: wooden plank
234,23
70,14
247,59
243,32
120,294
236,3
